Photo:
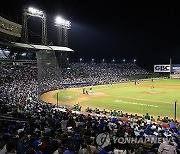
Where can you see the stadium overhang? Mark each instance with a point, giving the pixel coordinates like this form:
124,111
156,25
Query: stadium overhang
33,47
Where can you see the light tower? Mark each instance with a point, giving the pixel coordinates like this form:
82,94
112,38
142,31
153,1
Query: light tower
32,12
63,26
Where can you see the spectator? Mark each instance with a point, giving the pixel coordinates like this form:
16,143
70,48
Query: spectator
11,148
167,147
21,143
70,150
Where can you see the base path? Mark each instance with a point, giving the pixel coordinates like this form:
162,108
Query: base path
48,97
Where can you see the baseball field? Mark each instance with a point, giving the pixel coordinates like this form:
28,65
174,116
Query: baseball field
127,97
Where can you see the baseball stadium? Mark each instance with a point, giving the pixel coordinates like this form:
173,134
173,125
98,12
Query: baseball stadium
127,97
51,104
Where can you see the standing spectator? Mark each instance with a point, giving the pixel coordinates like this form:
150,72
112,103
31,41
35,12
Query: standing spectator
64,124
21,144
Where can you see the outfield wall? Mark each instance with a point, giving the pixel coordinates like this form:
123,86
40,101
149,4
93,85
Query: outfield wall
175,76
148,76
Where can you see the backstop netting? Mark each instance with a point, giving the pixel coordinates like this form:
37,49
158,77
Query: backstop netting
49,72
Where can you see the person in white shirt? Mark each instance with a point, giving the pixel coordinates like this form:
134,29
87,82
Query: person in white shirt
167,147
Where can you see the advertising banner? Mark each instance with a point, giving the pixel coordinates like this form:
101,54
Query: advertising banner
9,27
161,68
175,68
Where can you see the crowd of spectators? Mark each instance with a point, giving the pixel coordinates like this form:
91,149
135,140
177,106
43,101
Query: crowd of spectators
42,128
28,125
101,73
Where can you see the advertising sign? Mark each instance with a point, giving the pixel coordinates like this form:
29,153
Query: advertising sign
9,27
161,68
175,68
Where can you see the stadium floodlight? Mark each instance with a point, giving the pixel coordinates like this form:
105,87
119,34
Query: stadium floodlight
92,60
134,60
80,59
124,60
35,12
59,21
113,60
63,26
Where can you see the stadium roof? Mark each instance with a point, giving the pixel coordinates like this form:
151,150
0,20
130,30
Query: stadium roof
33,47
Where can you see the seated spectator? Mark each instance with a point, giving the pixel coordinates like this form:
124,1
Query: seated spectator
11,148
84,149
167,147
70,150
5,141
147,116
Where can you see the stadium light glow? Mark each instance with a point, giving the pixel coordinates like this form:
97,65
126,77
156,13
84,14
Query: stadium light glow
103,60
124,60
35,12
23,54
92,59
80,59
59,21
134,60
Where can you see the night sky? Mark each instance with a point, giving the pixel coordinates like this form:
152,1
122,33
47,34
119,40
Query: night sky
146,30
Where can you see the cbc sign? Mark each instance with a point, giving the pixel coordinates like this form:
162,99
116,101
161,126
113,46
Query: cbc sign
161,68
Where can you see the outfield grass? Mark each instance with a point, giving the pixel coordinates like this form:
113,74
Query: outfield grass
130,98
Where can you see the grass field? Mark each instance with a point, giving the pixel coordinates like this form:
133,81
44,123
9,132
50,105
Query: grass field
128,97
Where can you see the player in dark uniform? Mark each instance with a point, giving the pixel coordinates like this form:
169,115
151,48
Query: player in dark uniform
83,90
135,82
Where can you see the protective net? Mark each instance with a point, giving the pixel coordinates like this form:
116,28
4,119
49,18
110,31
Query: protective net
49,72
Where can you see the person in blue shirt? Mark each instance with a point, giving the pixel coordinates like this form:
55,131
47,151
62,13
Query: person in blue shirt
172,124
21,144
